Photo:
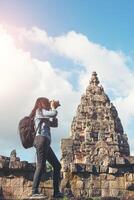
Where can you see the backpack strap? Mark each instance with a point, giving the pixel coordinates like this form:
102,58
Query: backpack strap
39,126
41,121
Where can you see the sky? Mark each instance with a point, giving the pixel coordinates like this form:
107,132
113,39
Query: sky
50,48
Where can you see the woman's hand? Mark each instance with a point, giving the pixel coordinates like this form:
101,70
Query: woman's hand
52,104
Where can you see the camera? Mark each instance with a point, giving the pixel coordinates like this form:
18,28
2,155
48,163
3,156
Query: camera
56,103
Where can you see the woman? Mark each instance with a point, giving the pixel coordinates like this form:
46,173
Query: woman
44,111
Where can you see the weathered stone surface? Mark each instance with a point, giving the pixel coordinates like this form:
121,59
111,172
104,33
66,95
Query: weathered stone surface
105,184
89,168
100,155
16,178
103,169
121,182
113,170
105,192
79,184
111,177
120,161
114,192
73,167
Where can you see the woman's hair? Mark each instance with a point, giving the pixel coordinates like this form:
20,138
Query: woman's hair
38,105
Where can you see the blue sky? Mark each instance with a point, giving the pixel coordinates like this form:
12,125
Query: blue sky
105,27
109,23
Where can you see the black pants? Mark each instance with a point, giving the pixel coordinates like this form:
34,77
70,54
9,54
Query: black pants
44,152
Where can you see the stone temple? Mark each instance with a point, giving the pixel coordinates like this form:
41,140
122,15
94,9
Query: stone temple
96,159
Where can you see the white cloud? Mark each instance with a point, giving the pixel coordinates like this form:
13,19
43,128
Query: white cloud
110,65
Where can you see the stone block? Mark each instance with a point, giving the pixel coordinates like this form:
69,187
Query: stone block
65,175
113,170
77,193
7,192
105,184
48,184
66,143
29,184
65,167
17,182
73,167
113,184
103,176
96,184
64,183
103,169
120,161
87,183
130,177
79,184
113,192
105,192
111,177
89,168
91,184
121,182
109,139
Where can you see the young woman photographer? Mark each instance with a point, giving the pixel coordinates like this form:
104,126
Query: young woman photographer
44,113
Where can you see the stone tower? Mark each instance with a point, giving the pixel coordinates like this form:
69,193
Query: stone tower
97,143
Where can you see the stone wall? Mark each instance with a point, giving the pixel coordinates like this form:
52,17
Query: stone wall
100,181
16,179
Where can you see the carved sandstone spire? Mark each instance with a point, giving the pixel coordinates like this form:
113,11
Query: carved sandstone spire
97,147
97,120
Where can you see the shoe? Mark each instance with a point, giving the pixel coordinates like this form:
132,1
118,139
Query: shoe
37,195
58,195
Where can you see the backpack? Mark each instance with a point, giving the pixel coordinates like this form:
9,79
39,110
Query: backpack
27,131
